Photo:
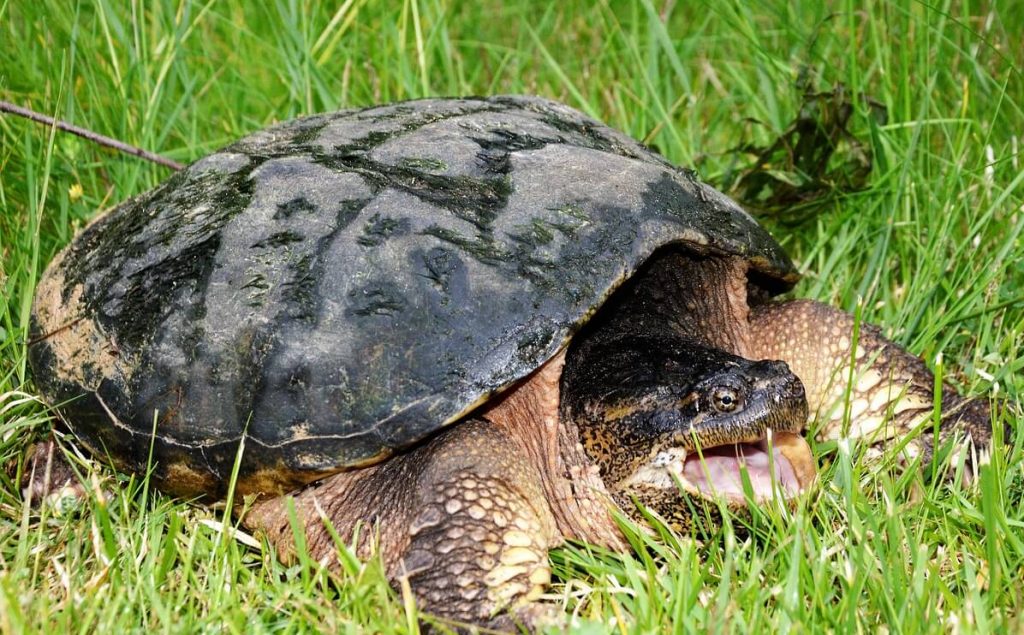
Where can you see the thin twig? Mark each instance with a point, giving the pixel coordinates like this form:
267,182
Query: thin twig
6,106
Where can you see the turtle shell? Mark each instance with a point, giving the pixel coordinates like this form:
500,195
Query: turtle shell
334,288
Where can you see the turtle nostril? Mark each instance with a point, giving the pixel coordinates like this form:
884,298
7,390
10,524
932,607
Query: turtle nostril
796,388
774,367
791,385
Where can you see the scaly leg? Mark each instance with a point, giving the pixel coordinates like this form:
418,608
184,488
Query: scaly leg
890,391
464,519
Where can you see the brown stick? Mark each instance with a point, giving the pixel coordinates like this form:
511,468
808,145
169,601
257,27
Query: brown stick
6,106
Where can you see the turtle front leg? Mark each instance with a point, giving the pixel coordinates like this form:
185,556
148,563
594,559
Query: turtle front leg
887,391
463,519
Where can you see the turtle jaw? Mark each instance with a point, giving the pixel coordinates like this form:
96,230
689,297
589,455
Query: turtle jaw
717,472
780,464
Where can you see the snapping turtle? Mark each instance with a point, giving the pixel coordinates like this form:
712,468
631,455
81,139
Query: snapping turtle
479,325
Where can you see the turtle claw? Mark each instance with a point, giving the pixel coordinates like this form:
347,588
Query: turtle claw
533,617
49,481
966,428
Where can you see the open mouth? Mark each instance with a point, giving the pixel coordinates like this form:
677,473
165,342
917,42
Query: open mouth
783,467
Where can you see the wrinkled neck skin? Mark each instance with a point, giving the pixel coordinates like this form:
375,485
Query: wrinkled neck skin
574,490
699,298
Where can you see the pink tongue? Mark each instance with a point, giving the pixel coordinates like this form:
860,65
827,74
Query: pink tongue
719,472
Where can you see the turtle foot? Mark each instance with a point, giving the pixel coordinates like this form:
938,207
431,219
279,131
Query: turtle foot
49,481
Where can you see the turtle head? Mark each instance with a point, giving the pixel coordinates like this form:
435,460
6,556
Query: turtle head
736,404
698,422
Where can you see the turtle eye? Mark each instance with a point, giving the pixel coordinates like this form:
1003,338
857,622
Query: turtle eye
725,399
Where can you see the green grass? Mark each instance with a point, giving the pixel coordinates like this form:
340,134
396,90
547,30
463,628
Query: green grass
930,248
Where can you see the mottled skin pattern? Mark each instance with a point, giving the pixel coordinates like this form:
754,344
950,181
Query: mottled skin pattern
339,288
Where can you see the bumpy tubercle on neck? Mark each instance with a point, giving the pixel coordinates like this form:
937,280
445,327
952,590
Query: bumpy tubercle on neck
578,498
